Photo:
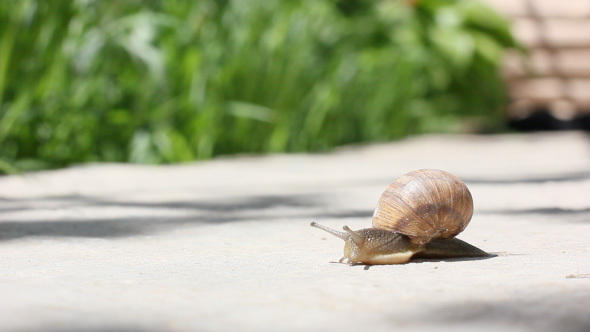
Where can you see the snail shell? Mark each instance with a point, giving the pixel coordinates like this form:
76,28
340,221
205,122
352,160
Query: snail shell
423,205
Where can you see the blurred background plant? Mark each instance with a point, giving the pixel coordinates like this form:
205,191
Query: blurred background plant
173,81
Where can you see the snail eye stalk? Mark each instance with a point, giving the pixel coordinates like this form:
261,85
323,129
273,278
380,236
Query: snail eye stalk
336,233
356,237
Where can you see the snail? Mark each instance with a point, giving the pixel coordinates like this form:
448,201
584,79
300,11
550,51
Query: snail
419,216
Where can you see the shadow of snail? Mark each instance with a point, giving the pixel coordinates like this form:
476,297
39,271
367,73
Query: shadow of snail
417,216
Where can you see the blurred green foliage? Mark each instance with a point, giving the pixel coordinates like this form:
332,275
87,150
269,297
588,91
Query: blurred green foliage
174,80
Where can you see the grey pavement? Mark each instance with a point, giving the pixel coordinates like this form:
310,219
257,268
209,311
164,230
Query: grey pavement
225,245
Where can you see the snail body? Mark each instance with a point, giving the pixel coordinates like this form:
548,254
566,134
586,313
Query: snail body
418,215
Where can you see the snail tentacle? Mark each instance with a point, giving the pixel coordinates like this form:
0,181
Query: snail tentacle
336,233
356,237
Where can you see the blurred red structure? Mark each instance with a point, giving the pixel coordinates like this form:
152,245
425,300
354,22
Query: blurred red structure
556,77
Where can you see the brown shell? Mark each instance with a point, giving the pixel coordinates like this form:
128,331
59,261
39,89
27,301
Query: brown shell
425,204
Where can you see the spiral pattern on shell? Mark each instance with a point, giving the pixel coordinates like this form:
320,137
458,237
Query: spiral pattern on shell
425,204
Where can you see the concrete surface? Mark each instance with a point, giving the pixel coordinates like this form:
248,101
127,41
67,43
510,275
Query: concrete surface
226,245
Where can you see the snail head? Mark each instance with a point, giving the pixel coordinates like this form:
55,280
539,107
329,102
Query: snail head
371,245
352,241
